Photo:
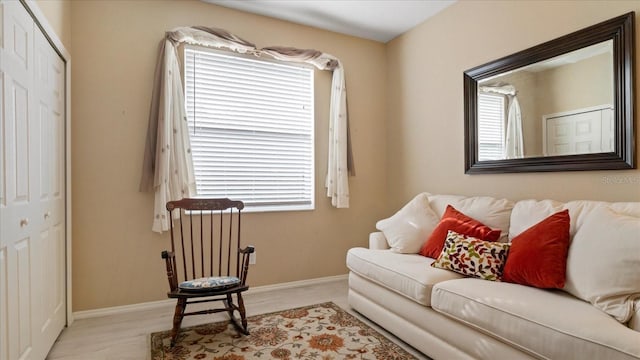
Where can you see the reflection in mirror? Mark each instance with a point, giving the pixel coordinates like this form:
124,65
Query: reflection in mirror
560,106
566,104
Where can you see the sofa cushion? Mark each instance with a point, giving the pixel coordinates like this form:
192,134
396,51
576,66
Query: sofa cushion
580,210
454,220
408,228
408,274
603,266
495,213
538,255
548,323
472,257
527,213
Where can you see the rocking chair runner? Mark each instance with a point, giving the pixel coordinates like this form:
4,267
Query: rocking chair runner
205,241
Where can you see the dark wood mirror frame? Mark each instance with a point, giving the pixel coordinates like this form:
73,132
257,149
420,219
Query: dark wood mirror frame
622,31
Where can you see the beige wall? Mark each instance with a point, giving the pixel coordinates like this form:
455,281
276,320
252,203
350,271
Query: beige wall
425,126
586,83
116,257
405,103
58,14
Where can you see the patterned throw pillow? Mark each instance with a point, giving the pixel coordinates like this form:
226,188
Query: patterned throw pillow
472,257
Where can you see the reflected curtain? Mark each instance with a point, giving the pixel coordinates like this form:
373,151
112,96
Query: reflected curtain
168,166
513,139
514,148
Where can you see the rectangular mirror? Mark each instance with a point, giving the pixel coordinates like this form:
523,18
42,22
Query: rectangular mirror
563,105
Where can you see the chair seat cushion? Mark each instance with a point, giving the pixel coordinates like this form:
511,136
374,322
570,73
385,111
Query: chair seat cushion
209,283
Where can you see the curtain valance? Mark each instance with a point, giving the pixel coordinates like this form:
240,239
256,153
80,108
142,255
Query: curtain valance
168,167
500,88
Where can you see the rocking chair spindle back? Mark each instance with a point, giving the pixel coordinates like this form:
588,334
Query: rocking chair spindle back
205,239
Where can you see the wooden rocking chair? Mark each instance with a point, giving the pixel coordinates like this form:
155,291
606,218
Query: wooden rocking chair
206,255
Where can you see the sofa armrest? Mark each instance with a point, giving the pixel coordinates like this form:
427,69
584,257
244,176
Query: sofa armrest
634,322
377,241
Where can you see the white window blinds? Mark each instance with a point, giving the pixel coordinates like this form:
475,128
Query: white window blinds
491,116
251,128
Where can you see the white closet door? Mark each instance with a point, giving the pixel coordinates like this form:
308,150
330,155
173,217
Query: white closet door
19,174
31,189
49,242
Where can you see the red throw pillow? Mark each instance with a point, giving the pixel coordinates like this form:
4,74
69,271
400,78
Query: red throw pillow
454,220
538,256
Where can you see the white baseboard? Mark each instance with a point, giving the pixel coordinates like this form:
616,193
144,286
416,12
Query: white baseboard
295,284
86,314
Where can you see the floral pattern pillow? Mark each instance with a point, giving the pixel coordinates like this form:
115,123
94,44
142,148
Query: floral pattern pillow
472,257
209,283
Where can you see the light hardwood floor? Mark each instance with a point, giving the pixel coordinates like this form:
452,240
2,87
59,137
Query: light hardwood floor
125,336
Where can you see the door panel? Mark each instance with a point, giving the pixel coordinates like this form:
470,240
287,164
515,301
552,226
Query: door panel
18,121
3,151
4,304
50,203
575,133
23,294
608,131
60,271
46,150
32,184
16,61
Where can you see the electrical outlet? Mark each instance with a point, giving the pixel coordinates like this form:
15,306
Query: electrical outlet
252,258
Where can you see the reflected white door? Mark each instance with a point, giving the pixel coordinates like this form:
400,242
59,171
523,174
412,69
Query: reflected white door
583,132
32,263
608,131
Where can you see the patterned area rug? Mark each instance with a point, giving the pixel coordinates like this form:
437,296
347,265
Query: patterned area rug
322,331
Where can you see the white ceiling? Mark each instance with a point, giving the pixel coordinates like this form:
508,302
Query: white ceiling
380,20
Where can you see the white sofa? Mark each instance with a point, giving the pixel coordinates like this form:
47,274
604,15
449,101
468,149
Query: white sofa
448,316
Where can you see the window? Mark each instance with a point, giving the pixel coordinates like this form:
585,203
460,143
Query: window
491,123
251,128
